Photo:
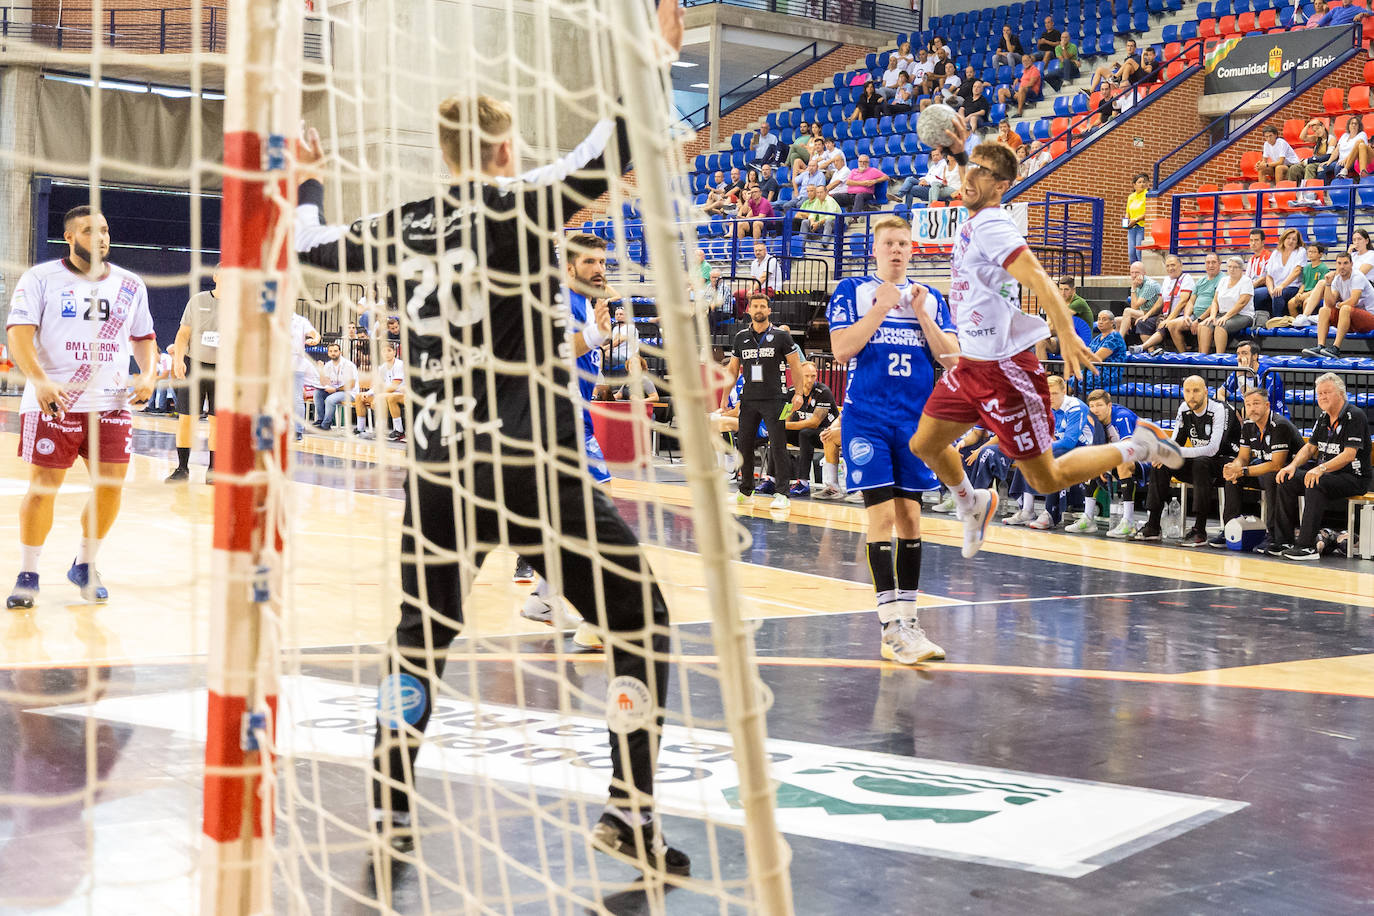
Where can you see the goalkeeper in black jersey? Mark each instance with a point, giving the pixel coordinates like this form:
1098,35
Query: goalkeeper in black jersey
497,452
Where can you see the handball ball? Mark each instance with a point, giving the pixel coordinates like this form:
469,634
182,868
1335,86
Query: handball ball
932,124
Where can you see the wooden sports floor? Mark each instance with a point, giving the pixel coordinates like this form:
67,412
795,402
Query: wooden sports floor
1117,728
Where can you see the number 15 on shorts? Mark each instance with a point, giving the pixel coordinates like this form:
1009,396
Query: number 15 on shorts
899,364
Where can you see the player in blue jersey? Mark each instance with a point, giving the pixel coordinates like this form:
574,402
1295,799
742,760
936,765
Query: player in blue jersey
891,332
584,257
1120,424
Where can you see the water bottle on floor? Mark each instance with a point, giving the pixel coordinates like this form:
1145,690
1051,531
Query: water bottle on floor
1172,524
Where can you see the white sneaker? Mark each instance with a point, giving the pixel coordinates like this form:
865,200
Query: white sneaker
977,519
1124,530
945,505
556,613
829,491
1020,517
587,636
1159,445
742,499
1043,522
1084,524
856,497
1304,321
907,644
780,502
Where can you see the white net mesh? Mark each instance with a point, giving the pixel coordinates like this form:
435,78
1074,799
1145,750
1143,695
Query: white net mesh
503,801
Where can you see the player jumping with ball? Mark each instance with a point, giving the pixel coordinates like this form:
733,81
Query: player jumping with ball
998,382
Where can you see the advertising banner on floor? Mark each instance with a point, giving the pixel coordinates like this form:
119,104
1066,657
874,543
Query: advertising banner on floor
1248,64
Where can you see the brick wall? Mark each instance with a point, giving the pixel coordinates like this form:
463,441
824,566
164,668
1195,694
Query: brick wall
845,57
1105,169
137,26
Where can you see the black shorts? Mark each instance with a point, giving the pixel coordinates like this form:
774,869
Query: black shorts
203,378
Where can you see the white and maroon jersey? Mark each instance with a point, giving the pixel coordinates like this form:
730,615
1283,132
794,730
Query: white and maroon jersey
394,371
984,298
86,330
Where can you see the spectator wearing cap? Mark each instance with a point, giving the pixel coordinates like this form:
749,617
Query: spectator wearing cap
1267,440
1332,466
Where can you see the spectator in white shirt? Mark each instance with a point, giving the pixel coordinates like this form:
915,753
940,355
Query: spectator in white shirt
765,269
890,75
1276,158
1349,305
337,380
831,158
303,334
1259,257
921,67
904,57
1282,274
1360,251
767,148
1353,151
388,385
1232,310
940,182
1175,299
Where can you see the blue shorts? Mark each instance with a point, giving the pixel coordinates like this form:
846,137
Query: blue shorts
596,461
877,454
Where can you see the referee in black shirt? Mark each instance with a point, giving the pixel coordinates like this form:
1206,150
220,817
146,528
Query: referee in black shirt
761,350
1333,465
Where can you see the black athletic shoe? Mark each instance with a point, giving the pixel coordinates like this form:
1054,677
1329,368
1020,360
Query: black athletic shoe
1277,550
179,475
1218,541
643,846
524,573
1147,533
395,436
1301,553
1193,539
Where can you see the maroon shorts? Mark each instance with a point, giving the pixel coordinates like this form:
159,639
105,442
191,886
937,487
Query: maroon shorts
1008,397
51,443
1361,320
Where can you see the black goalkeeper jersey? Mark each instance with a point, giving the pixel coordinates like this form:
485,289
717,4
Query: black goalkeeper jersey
477,275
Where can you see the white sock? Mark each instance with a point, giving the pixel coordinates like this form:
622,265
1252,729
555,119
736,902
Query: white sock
963,495
88,549
28,558
1090,508
830,474
396,423
1128,512
1028,502
362,425
628,815
1131,451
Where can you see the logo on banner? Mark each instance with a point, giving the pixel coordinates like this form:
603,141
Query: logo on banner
1275,61
941,225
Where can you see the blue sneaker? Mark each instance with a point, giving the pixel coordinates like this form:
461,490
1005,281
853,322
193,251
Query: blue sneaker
88,580
766,486
799,488
25,590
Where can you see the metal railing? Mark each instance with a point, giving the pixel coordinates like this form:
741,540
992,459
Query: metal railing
1079,134
1224,134
736,96
154,30
1221,220
868,14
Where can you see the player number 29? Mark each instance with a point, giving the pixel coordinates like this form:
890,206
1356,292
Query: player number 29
899,364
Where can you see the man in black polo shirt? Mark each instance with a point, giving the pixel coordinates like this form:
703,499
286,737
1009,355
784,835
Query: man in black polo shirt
1048,39
1207,430
1334,464
761,351
1267,439
813,410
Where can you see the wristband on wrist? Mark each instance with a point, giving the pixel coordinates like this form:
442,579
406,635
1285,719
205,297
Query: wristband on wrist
593,336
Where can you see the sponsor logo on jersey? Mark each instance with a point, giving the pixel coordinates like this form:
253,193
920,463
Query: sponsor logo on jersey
860,451
68,304
400,699
44,446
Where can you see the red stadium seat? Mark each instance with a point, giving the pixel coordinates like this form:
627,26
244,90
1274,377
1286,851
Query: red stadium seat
1194,53
1269,19
1245,22
1285,192
1058,148
1367,122
1333,100
1369,71
1236,233
1172,49
1292,129
1235,202
1207,28
1206,205
1359,100
1159,236
1248,160
1315,186
1058,126
1226,25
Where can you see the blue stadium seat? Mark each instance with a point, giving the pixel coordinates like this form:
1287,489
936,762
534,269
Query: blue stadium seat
1286,17
1079,104
998,114
1188,32
1324,229
1339,191
899,124
1170,33
1296,221
1023,130
1041,130
1106,44
888,166
1204,10
870,127
847,147
1063,105
903,167
1088,46
1220,8
1365,194
863,147
885,125
911,143
1140,22
1240,7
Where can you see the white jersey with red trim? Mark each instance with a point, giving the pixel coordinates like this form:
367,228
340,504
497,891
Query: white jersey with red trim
984,297
86,330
